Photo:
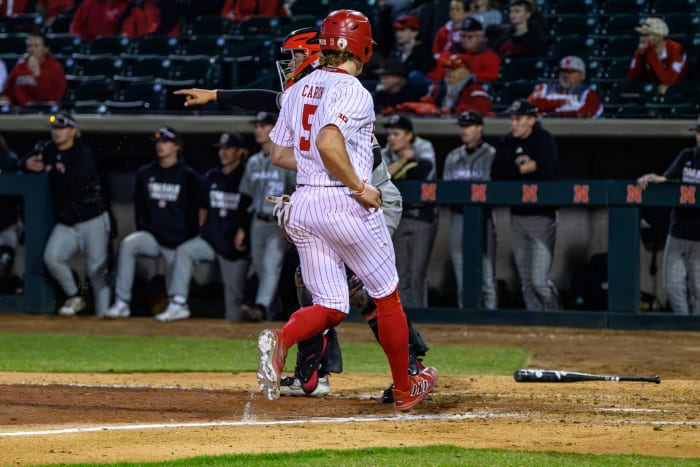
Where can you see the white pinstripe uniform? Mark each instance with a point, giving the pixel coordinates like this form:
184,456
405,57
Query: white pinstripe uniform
327,224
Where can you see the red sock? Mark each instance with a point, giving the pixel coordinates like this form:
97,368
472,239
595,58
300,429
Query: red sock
309,321
393,336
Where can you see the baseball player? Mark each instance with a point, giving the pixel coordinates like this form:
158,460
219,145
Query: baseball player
80,211
222,237
325,132
682,252
472,162
167,198
320,355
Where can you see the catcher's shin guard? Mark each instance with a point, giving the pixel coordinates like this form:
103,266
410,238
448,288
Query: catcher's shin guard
316,357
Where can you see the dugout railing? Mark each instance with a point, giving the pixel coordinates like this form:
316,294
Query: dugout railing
623,199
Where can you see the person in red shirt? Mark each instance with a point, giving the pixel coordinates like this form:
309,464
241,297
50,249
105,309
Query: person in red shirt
482,61
12,7
143,17
98,18
37,77
52,8
459,92
448,34
239,10
568,96
657,59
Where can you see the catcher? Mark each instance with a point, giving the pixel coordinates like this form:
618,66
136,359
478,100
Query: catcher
321,354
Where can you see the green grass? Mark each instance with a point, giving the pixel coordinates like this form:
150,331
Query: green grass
78,353
429,455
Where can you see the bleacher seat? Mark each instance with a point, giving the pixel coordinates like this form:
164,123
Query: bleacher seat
141,95
264,47
580,45
629,98
210,24
39,107
61,23
93,65
612,71
660,7
113,45
620,24
560,7
172,102
13,43
681,100
154,66
204,44
154,45
94,89
615,7
680,24
570,24
617,47
89,107
516,69
204,70
298,22
25,22
318,8
65,44
512,91
10,60
272,25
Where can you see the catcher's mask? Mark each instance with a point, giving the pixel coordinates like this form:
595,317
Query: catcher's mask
304,48
347,30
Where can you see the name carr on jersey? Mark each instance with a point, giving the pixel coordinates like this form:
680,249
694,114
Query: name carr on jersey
312,92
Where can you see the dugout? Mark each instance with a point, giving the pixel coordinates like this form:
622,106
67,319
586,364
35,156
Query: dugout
589,150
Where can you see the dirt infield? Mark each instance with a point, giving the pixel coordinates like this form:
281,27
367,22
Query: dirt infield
62,418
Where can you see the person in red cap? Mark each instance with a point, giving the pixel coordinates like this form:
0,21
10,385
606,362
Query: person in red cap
459,91
568,96
414,53
481,60
657,59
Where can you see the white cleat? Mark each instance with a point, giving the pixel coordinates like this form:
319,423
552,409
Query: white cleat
271,356
120,309
173,312
72,307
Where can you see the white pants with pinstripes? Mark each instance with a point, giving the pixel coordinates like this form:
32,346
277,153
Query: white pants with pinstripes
331,229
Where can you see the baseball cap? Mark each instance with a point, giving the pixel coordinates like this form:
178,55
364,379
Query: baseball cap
166,134
400,122
469,118
265,117
653,26
470,24
62,120
407,22
572,63
392,66
522,107
230,140
452,61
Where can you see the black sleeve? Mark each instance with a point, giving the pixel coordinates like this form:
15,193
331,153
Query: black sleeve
262,100
675,170
547,158
503,167
420,171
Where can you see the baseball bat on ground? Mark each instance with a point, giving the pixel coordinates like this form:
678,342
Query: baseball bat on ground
555,376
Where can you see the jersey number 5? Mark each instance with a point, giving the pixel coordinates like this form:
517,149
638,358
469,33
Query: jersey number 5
306,115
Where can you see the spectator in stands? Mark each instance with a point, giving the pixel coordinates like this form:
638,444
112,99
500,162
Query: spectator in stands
472,162
394,89
529,153
520,40
12,7
144,17
10,219
167,198
568,96
267,243
481,60
98,18
410,157
80,211
240,10
49,9
222,237
658,60
459,92
416,55
486,12
36,77
448,35
682,253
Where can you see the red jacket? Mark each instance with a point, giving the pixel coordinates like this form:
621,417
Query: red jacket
484,64
445,38
668,68
472,97
243,9
556,101
22,86
143,21
97,18
18,6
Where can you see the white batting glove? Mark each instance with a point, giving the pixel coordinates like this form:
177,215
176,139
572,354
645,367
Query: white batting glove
282,209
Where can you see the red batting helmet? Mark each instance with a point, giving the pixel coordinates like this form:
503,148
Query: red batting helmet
300,42
347,30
